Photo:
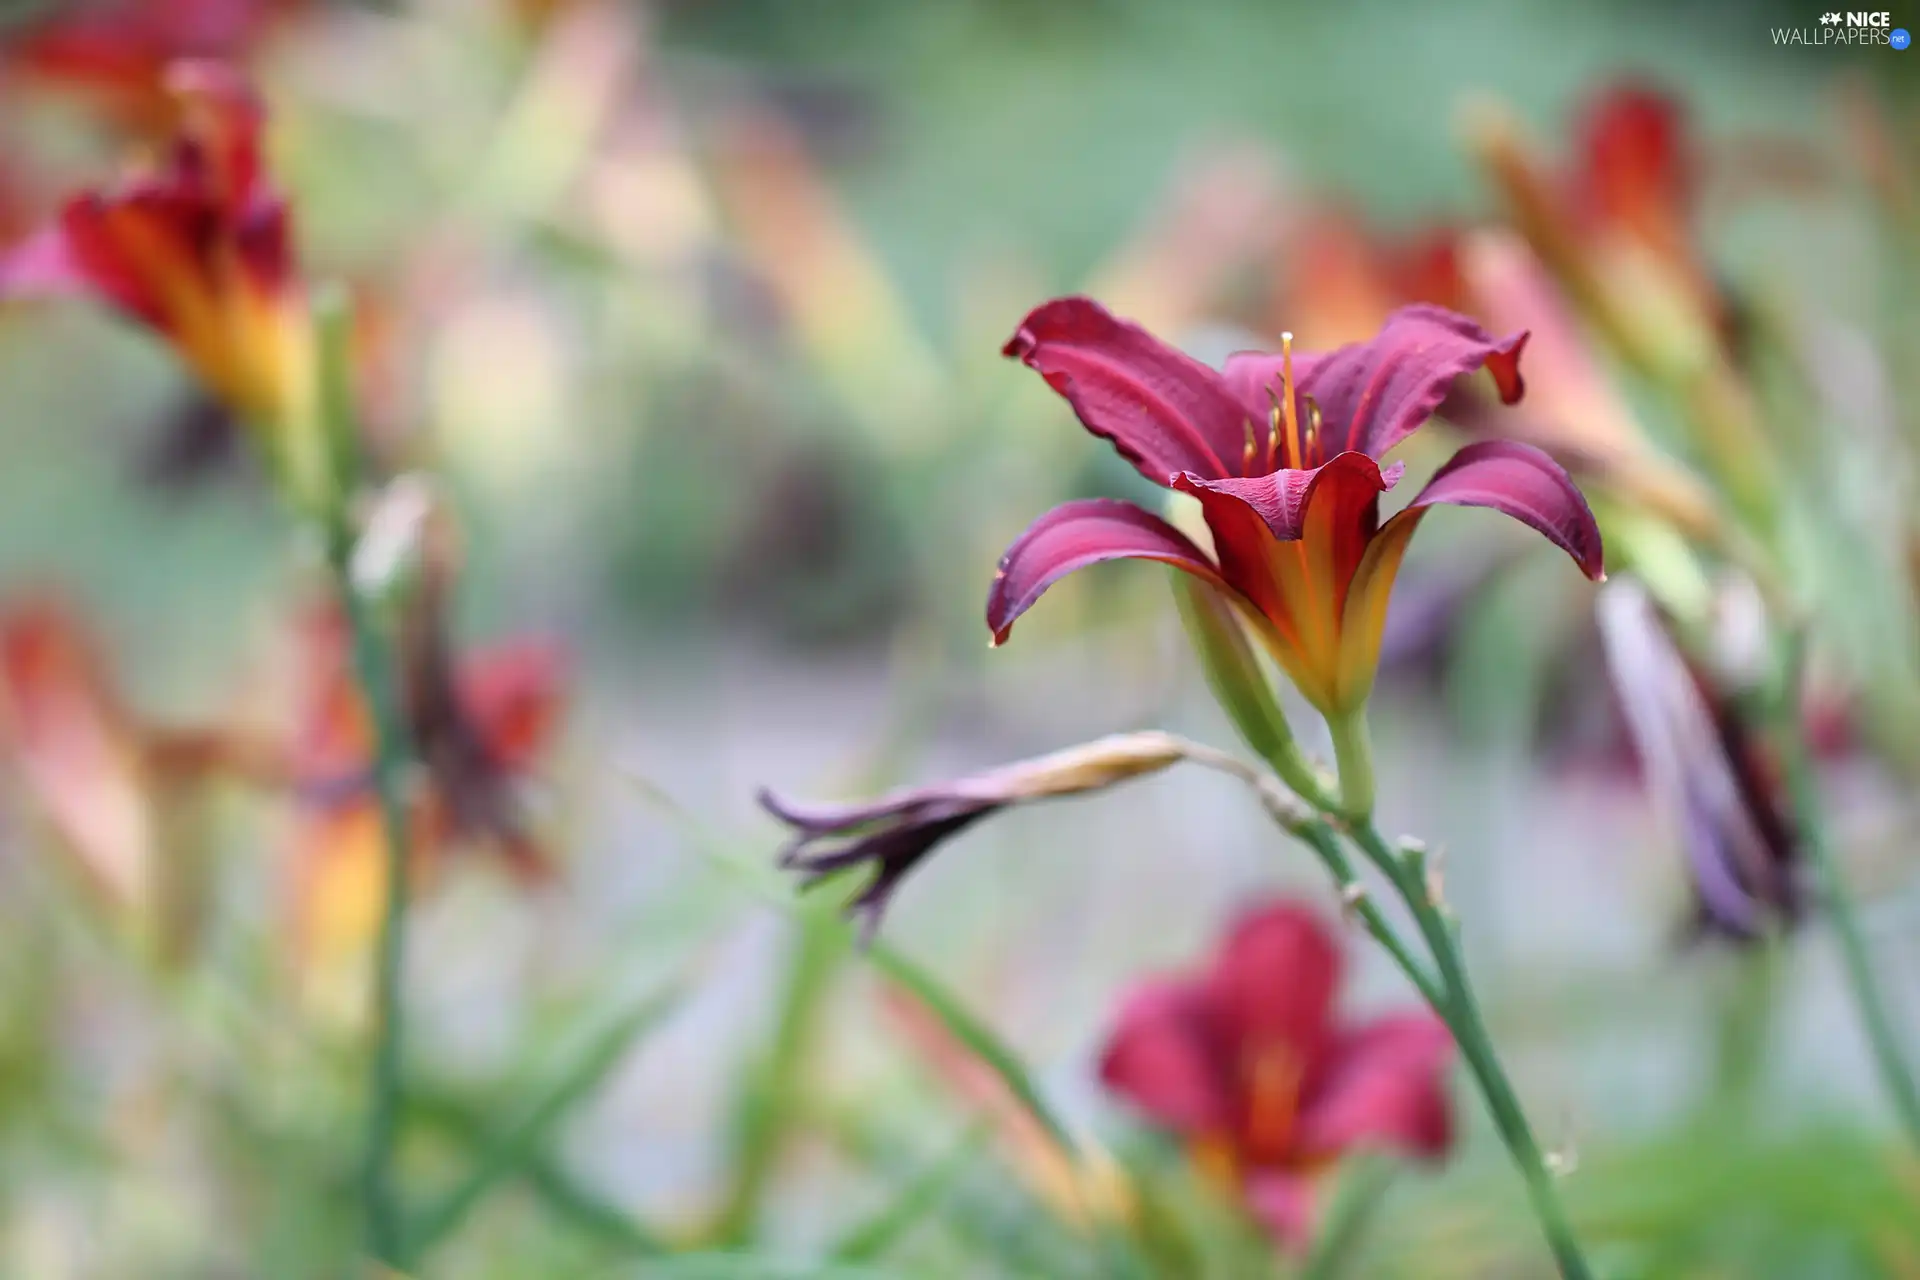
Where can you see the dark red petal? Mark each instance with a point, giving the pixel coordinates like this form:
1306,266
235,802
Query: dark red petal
1372,395
1285,1204
1161,1058
1384,1084
1281,499
80,254
1075,535
512,694
1273,983
1526,484
1163,410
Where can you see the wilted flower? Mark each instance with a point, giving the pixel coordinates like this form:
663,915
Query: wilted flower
96,771
1248,1066
1283,454
1704,763
893,833
199,249
118,53
478,726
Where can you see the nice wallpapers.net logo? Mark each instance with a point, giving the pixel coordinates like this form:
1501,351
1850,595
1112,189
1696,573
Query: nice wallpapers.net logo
1847,30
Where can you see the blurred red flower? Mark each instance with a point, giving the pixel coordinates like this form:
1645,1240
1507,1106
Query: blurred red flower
198,249
118,54
1247,1064
1283,453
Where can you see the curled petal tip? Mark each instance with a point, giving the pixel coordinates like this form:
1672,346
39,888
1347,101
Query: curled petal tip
1505,367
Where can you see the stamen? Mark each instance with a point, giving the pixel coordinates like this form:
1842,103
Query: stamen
1246,456
1274,427
1286,401
1312,449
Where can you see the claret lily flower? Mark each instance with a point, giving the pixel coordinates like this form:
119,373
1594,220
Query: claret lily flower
198,248
1283,453
1246,1063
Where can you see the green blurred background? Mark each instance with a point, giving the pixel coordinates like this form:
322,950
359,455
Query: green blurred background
765,539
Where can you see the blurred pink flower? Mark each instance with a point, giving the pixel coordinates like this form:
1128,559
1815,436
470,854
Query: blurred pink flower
1246,1063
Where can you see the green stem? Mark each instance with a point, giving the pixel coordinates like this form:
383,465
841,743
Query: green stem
1461,1011
375,670
1745,1018
1896,1074
1322,840
1325,844
1353,757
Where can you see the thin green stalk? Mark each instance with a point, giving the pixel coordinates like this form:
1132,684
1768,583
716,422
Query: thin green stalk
1324,842
1461,1011
773,1097
1745,1018
1353,758
1836,896
1451,997
1317,835
375,670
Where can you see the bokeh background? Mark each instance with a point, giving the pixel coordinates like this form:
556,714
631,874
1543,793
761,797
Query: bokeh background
695,309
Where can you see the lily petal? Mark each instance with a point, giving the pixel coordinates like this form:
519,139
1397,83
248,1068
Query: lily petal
1283,498
1163,410
512,692
1372,395
76,747
1162,1058
1523,482
1075,535
1384,1084
1505,475
1273,983
1291,542
1698,755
